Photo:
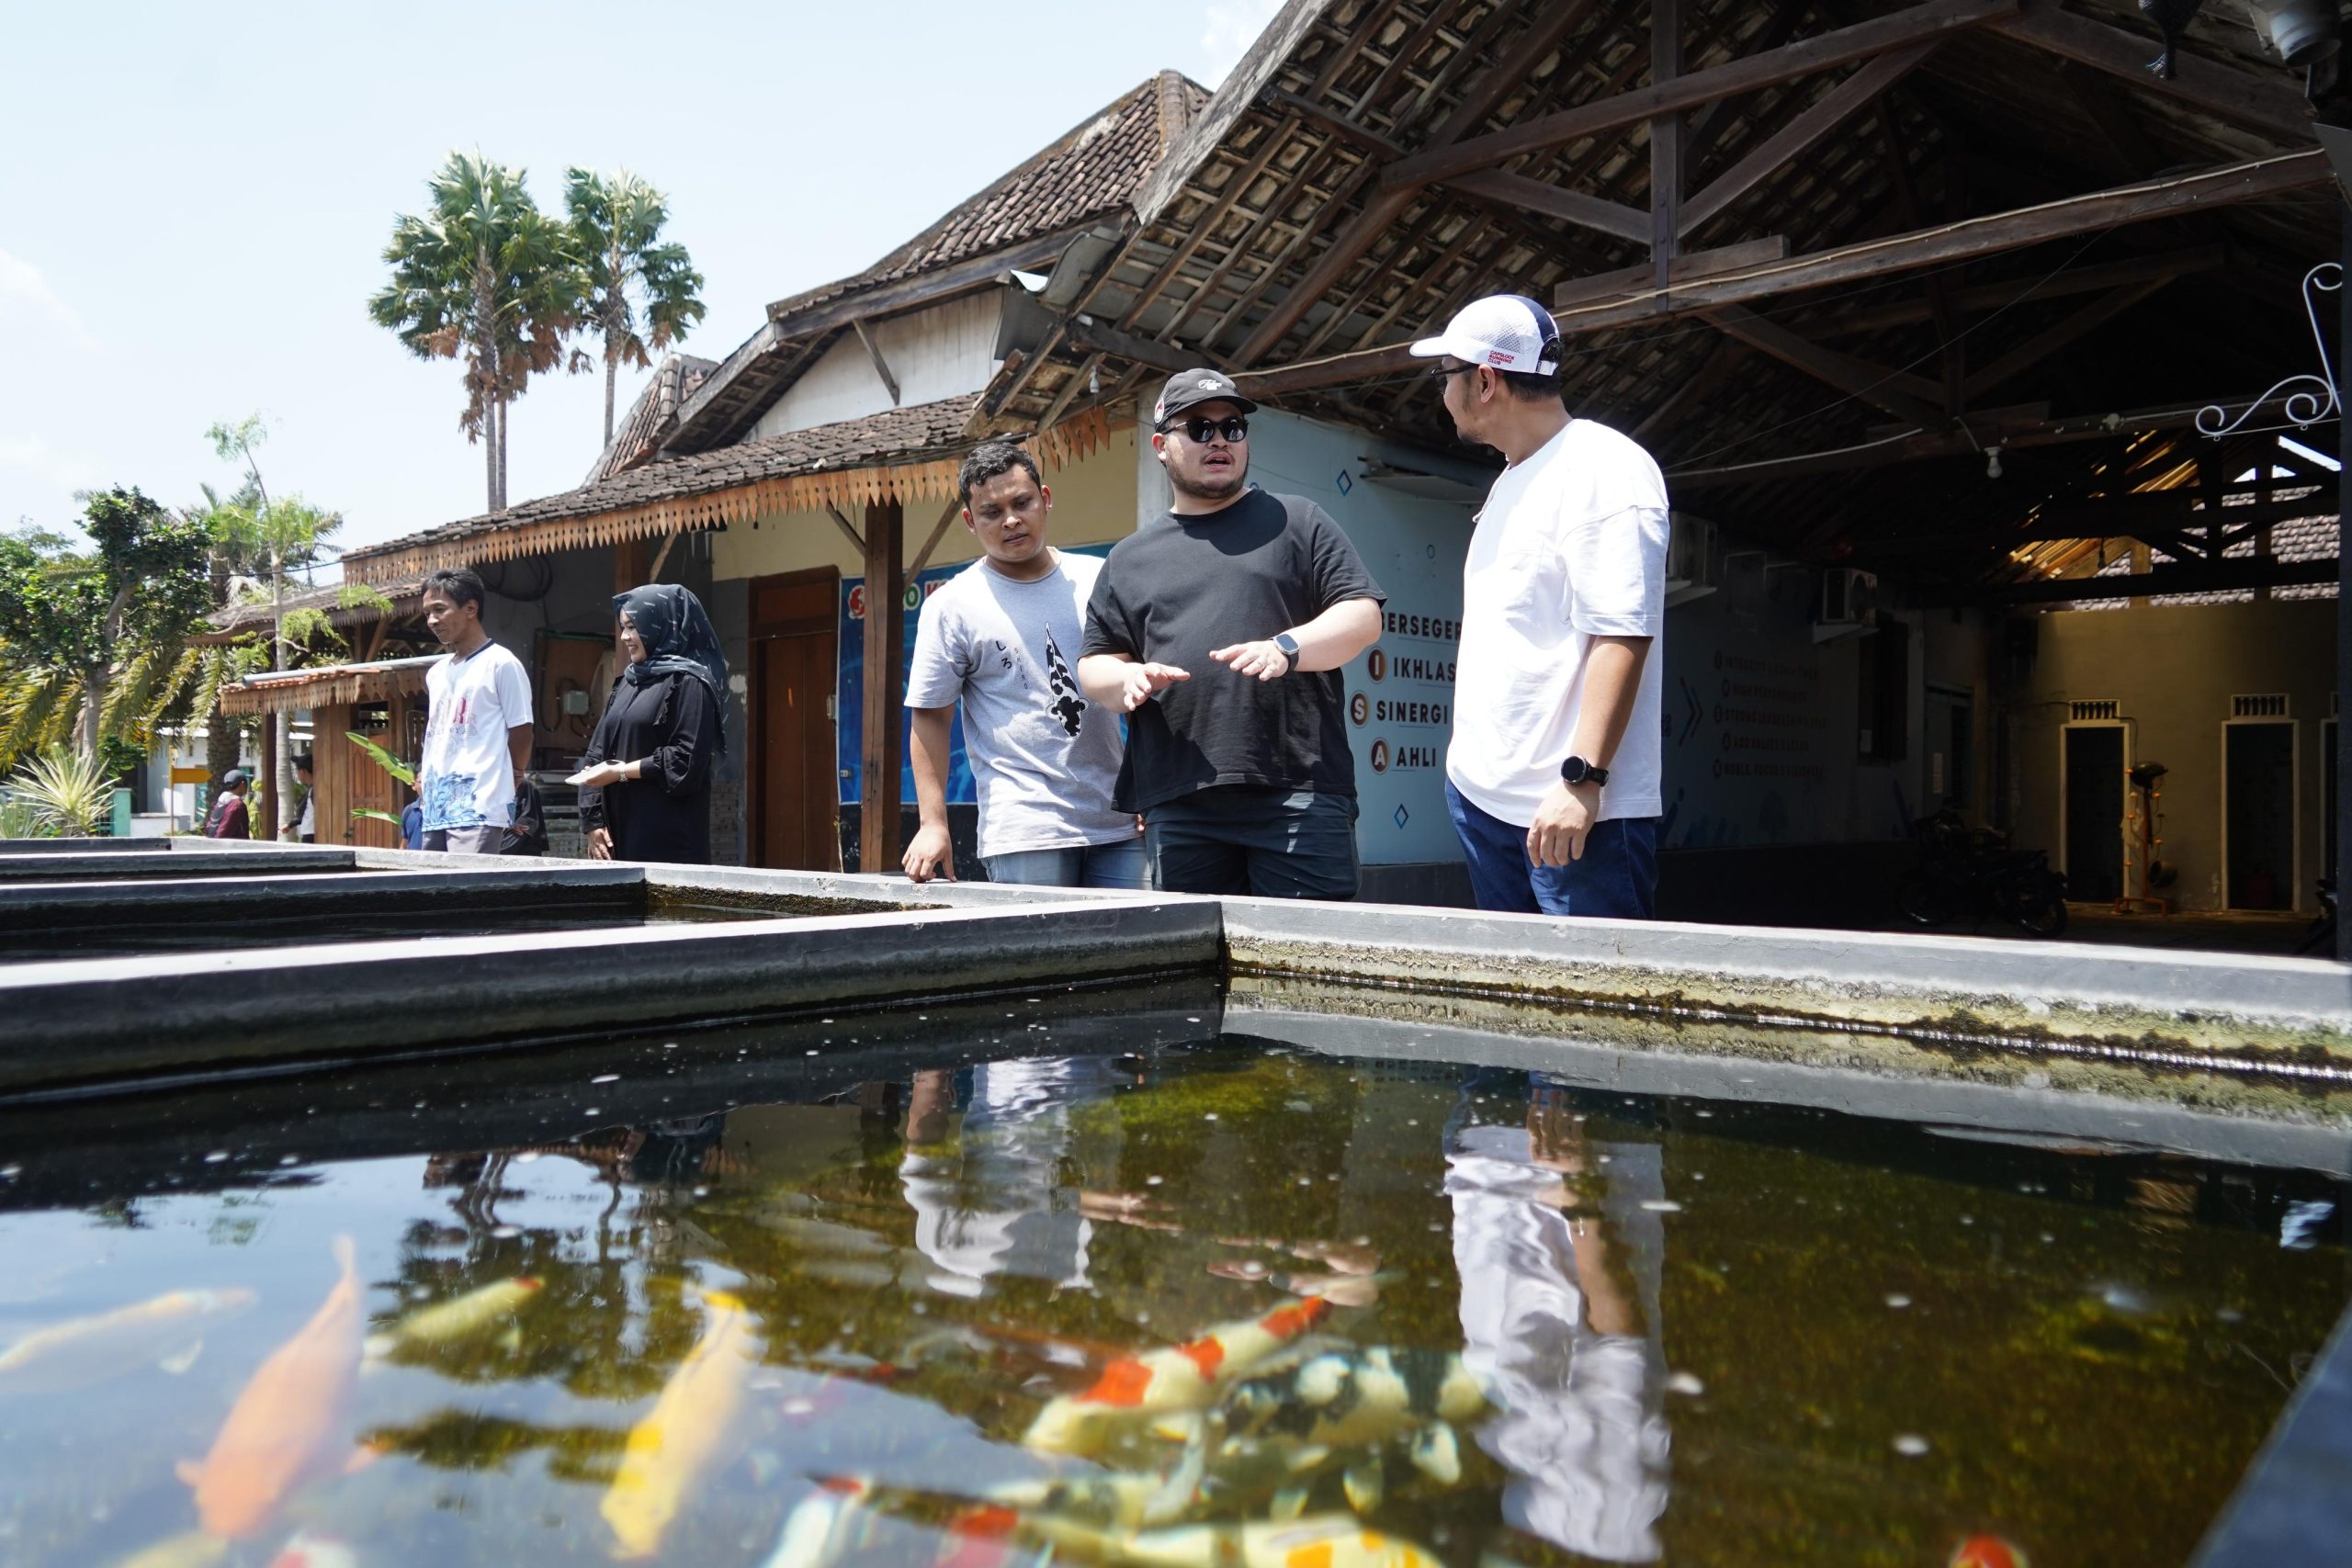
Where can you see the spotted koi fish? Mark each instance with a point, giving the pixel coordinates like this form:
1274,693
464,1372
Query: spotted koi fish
1133,1390
1322,1540
1345,1399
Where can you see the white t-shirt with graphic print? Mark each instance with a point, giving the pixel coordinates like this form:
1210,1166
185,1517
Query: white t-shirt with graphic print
1044,760
1570,545
466,779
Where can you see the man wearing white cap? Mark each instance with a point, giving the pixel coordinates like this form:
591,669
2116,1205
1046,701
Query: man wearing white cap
1553,774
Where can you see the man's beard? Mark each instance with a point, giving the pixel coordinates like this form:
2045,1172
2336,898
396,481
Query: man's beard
1211,490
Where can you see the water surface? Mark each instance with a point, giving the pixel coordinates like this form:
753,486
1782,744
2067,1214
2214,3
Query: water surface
1700,1331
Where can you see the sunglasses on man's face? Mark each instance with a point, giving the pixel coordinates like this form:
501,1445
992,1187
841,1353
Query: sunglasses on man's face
1233,427
1443,371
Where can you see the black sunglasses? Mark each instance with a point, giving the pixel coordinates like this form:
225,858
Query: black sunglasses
1443,371
1233,427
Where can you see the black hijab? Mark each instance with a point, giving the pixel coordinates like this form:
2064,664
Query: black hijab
679,640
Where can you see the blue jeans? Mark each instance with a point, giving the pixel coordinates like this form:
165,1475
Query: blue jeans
1270,843
1119,865
1616,880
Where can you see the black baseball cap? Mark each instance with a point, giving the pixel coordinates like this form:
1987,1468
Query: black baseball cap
234,777
1187,388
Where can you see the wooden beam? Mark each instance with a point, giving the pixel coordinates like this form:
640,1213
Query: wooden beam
873,352
1480,98
1839,105
1839,321
1905,396
885,688
1989,235
2259,103
2044,344
1983,430
849,530
1666,141
938,532
1693,388
2125,516
1363,365
1825,51
2202,577
1096,335
1610,217
1087,371
1696,263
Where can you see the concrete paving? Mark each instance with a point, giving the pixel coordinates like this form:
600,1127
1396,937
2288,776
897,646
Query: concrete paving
225,900
60,866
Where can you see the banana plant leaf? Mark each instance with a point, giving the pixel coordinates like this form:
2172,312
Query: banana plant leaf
384,759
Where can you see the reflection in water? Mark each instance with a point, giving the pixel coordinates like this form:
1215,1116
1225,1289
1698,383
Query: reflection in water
1216,1304
1560,1265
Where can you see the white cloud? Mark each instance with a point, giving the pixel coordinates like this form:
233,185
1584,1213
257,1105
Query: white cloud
45,464
1233,26
26,300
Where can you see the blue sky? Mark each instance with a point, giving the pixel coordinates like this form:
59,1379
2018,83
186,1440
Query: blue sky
195,201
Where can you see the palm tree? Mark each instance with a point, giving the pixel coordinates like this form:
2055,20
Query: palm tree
616,222
486,276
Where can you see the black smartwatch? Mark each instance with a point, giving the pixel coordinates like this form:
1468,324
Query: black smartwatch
1289,644
1577,771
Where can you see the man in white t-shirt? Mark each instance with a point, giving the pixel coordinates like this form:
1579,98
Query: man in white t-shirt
1001,636
1553,774
477,726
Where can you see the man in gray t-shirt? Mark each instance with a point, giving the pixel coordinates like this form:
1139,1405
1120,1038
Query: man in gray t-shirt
1001,636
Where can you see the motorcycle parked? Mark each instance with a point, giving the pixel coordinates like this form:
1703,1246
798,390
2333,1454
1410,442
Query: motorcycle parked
1972,870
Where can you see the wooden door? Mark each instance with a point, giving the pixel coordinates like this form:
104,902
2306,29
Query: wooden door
795,779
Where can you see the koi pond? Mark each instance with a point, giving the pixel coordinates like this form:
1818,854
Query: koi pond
1013,1282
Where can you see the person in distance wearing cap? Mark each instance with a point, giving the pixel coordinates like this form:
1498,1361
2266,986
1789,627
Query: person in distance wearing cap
1219,628
229,818
1552,775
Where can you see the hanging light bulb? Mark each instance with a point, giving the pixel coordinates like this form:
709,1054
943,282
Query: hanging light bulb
1993,462
2301,31
1094,380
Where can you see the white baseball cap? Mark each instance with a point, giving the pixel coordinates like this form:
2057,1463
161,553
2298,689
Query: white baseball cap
1505,332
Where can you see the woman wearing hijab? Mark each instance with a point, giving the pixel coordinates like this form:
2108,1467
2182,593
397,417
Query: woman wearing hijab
645,779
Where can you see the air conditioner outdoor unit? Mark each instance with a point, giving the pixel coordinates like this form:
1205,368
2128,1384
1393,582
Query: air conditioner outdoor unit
1692,570
1847,607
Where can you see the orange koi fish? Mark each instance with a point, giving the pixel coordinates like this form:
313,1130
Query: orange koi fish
291,1415
1988,1551
679,1436
1186,1377
1322,1540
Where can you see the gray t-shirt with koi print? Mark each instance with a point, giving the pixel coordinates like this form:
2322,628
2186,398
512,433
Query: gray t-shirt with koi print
1045,760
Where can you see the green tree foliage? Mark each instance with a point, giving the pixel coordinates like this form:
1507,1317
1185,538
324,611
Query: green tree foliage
74,618
483,276
638,293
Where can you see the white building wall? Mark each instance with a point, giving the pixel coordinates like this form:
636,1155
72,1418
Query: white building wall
943,352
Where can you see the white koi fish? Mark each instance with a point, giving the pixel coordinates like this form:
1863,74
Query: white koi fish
160,1331
290,1421
306,1549
823,1525
667,1451
1133,1390
190,1548
1322,1540
461,1317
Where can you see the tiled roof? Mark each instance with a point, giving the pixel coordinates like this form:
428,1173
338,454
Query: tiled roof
1093,168
925,432
649,418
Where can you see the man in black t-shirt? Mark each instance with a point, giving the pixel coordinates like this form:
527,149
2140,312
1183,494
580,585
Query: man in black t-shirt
1242,773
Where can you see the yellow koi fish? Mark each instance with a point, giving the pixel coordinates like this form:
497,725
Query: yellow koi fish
290,1418
1322,1540
462,1317
676,1440
91,1349
1135,1389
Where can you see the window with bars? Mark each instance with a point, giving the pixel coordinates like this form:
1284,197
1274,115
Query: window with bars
2092,708
2258,704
